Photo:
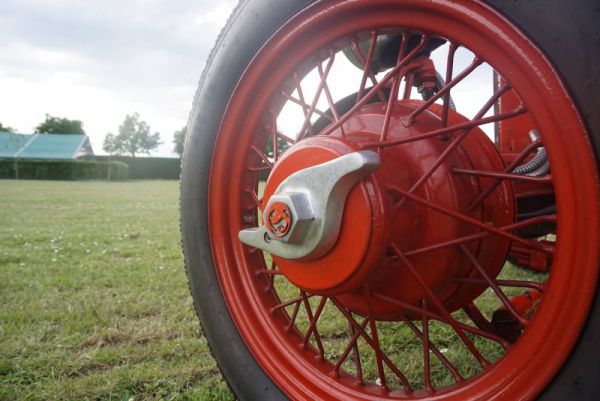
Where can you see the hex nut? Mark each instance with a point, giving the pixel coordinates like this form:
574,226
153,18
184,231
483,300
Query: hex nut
302,216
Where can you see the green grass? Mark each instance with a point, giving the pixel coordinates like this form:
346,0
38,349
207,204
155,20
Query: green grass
95,304
401,344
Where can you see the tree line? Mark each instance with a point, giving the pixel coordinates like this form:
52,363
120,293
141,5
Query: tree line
54,125
133,136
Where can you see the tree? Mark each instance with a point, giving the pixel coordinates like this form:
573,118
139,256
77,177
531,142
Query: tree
282,146
60,125
179,140
133,137
4,128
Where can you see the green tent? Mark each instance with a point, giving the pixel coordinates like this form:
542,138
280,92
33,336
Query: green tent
44,146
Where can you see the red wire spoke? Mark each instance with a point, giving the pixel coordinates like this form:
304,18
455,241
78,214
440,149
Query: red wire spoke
477,317
375,337
446,89
408,83
499,293
520,158
298,84
369,341
330,101
434,316
275,137
504,283
449,70
286,138
269,272
255,199
305,107
259,169
262,156
391,74
472,237
357,363
352,345
426,349
294,315
271,277
428,346
471,221
367,72
502,176
458,140
394,92
287,303
467,125
300,103
440,307
312,328
316,98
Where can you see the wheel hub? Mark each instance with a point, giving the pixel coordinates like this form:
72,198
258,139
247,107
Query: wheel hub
307,208
375,216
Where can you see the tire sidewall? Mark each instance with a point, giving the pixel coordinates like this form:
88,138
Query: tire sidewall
569,35
251,25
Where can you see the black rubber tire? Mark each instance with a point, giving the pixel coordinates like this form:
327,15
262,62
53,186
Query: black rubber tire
569,34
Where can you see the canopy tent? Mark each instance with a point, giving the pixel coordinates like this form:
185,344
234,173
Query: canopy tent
44,146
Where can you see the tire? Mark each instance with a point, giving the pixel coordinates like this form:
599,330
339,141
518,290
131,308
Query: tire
568,36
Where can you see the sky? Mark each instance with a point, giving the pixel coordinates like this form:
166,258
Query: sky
343,80
99,60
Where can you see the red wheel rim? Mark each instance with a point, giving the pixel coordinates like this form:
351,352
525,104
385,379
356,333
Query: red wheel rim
527,366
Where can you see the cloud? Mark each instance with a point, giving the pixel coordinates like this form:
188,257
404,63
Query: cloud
99,60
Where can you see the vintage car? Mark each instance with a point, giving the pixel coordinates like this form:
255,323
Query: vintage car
399,200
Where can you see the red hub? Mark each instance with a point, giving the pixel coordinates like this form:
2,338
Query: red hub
378,216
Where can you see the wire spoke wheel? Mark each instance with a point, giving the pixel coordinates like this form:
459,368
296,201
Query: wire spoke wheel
417,298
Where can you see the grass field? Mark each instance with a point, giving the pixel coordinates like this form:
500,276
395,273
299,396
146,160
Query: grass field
95,304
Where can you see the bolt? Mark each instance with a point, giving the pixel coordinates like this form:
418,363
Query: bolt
288,217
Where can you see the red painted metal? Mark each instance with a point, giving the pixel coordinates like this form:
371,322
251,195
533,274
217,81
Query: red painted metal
372,218
513,139
531,258
278,219
302,370
513,134
519,159
446,89
359,245
503,176
509,321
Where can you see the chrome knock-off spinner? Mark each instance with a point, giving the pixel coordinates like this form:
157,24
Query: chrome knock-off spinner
307,207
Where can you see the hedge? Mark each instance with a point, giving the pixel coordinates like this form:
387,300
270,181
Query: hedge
64,170
140,168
